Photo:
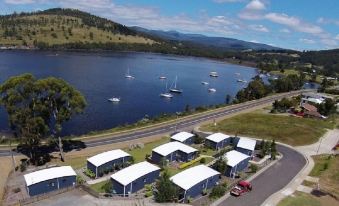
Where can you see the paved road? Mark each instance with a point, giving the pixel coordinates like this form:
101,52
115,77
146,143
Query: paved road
181,124
272,180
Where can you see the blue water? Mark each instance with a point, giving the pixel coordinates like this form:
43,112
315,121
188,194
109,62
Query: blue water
100,76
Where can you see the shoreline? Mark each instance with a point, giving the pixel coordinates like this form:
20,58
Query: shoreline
98,51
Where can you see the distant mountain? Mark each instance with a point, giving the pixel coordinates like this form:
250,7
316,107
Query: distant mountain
217,42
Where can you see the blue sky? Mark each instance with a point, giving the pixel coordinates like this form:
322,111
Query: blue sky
294,24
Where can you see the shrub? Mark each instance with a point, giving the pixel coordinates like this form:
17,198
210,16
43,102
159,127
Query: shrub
80,180
254,168
89,173
106,171
204,192
203,160
189,199
23,166
148,187
187,164
107,187
217,191
148,194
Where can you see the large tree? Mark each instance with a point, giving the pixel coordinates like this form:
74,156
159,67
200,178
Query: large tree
166,191
37,108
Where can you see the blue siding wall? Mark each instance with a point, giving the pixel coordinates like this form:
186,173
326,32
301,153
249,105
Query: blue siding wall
218,145
197,189
244,151
240,167
51,185
175,156
136,185
107,165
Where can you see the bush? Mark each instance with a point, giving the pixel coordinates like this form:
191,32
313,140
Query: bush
148,194
189,199
107,187
217,191
254,168
203,160
80,180
148,187
204,192
90,174
23,166
187,164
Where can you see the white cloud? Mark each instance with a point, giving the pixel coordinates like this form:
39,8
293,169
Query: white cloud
19,1
294,23
260,28
287,31
255,5
253,10
323,20
307,41
337,37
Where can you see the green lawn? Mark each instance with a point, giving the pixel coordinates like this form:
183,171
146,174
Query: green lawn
300,199
173,171
286,72
327,169
290,130
99,187
140,153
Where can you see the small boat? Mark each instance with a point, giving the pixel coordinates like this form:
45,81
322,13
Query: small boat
241,80
162,77
214,74
166,94
128,76
205,83
114,99
175,89
212,90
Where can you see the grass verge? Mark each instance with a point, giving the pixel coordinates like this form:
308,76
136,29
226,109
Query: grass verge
290,130
327,169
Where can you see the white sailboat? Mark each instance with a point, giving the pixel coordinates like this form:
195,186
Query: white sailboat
162,77
205,83
114,99
214,74
166,94
175,89
212,90
242,80
128,76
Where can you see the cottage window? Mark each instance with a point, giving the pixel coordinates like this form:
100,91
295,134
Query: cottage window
203,185
145,179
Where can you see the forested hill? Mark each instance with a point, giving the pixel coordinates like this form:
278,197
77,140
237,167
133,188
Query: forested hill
64,26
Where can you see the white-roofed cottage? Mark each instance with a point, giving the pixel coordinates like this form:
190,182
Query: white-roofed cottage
174,151
183,137
236,162
194,180
217,141
246,145
47,180
134,178
102,162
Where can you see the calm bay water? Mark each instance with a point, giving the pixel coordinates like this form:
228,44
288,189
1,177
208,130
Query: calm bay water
101,76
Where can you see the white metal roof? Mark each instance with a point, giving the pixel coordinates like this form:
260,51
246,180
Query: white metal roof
105,157
234,157
170,147
246,143
133,172
48,174
182,136
192,176
217,137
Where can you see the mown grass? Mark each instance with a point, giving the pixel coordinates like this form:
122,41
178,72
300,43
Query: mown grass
139,154
327,169
290,130
300,199
172,171
98,187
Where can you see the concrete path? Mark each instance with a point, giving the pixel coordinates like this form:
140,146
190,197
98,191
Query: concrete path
323,146
101,179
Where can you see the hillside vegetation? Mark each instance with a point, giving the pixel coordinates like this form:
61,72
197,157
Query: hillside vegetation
63,26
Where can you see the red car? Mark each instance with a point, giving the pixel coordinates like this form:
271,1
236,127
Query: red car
240,188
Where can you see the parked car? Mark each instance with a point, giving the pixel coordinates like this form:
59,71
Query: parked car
240,188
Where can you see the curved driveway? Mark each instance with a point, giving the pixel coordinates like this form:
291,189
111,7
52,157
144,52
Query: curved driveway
272,180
